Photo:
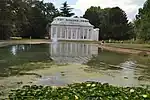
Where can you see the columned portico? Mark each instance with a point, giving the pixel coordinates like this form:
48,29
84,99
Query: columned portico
66,28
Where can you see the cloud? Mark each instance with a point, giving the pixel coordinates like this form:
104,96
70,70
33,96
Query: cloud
129,6
58,3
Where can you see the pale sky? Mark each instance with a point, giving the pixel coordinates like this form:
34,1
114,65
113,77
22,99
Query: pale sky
129,6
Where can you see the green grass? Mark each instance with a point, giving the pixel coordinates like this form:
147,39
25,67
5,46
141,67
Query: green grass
145,47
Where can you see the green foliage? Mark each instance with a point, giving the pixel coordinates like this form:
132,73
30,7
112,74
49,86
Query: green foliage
5,19
25,18
93,14
142,22
112,22
66,10
80,91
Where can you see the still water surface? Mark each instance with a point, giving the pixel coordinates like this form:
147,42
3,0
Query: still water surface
104,66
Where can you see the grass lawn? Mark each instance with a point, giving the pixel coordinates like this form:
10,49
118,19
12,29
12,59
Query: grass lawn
145,47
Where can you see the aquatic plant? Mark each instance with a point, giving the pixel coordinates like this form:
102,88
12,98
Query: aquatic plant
80,91
23,68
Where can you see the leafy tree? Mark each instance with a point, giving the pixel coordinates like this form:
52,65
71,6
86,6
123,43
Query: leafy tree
142,22
5,19
93,14
112,22
66,10
25,18
119,24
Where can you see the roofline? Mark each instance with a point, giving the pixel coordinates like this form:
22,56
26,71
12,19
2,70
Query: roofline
72,25
70,18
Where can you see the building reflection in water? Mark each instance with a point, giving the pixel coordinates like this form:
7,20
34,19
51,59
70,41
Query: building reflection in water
19,48
72,52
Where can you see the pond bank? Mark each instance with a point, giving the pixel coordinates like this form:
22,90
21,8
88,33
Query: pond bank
35,41
24,41
124,49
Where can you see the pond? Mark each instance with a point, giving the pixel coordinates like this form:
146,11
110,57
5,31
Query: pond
74,62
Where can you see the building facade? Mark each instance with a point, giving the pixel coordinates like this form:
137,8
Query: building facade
67,28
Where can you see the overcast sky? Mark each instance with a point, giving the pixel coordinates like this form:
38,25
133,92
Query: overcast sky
129,6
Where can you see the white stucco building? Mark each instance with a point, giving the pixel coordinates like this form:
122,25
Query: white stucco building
67,28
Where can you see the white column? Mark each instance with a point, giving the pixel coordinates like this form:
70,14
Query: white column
60,32
66,33
56,32
88,34
79,35
63,32
83,33
60,49
98,35
71,33
76,33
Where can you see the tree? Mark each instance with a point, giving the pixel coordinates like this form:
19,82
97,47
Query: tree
142,22
25,18
112,22
119,24
5,19
66,10
93,14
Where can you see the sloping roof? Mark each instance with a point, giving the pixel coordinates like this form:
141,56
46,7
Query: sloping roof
71,21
